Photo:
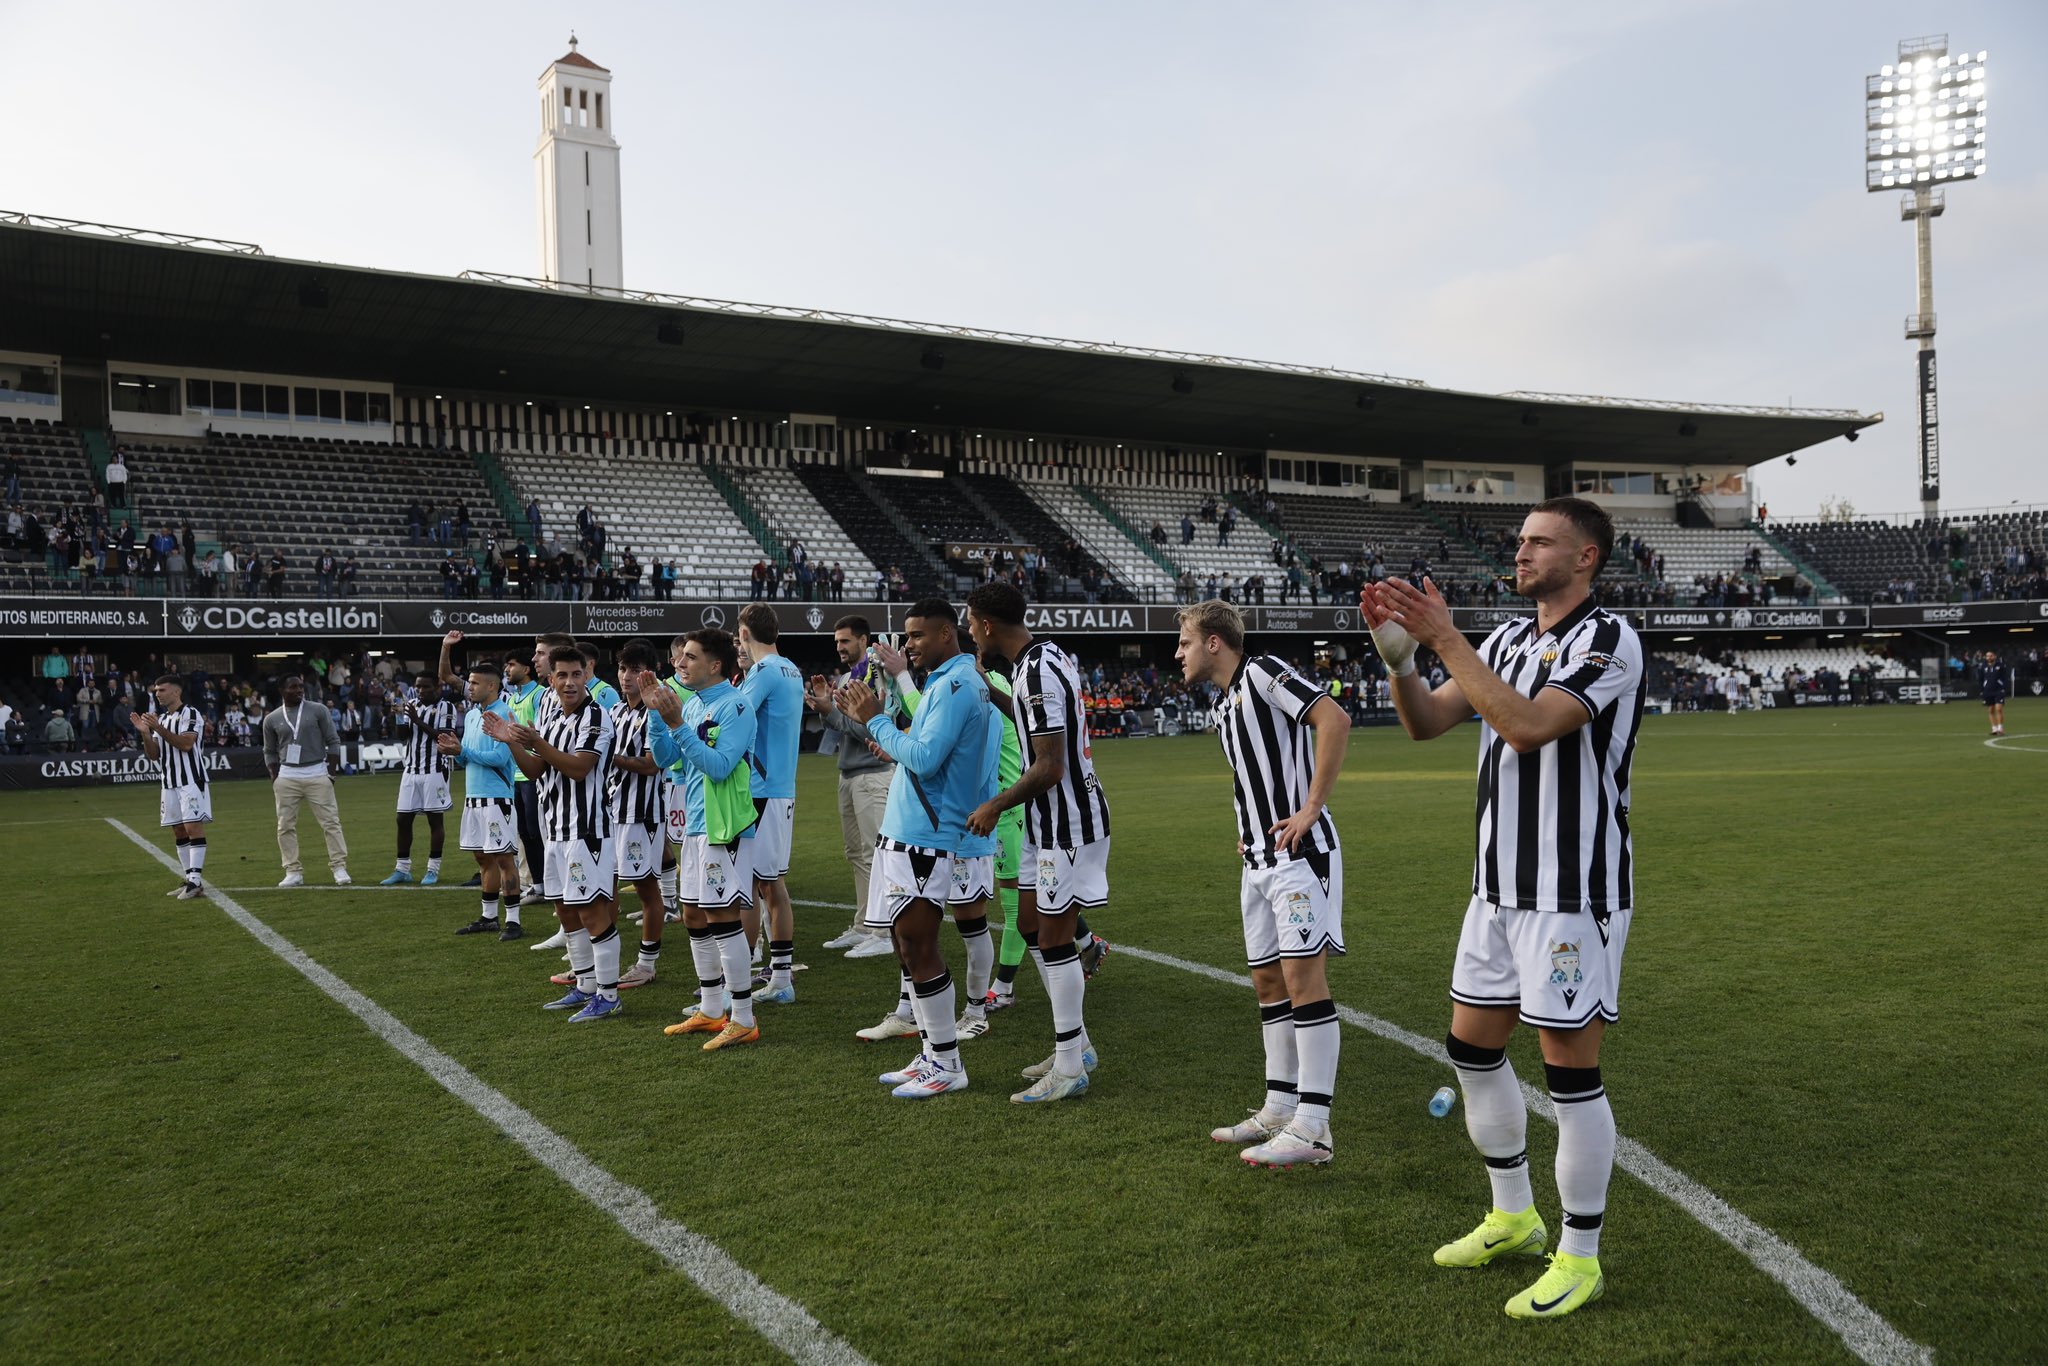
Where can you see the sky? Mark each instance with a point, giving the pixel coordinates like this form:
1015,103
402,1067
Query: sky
1657,199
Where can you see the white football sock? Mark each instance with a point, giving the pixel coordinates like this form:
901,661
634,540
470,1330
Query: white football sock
1585,1155
1283,1066
1497,1120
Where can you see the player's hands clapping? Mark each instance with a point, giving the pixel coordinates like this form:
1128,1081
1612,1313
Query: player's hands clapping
1422,612
662,699
859,702
1395,644
448,742
497,727
819,695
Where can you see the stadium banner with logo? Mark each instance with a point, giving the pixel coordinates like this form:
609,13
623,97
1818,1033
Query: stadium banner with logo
1961,614
209,618
205,619
45,618
23,771
483,618
1845,618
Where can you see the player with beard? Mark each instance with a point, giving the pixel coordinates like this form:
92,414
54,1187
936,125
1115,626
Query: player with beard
1560,698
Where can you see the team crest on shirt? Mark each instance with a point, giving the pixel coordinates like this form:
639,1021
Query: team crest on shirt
1550,655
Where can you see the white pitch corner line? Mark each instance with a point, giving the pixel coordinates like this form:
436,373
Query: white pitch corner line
782,1321
1820,1293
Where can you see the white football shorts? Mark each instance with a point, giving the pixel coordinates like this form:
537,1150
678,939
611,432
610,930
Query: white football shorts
184,805
1294,909
1558,968
577,874
424,792
489,826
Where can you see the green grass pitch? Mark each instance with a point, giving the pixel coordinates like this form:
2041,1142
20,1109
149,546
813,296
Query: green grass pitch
1831,1019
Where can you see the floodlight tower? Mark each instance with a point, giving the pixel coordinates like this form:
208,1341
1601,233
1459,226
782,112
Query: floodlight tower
1923,121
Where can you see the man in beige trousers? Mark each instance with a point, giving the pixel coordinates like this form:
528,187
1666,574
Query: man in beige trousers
302,751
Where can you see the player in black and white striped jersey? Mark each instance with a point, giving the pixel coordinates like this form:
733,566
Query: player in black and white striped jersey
1065,861
637,788
1560,699
423,785
174,739
1285,740
568,759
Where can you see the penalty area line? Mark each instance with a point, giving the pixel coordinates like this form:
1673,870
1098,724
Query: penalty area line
1862,1330
779,1319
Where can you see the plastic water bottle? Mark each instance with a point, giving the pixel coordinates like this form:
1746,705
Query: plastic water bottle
1440,1104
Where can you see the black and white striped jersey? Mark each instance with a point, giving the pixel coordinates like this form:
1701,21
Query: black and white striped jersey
1553,824
181,767
577,808
1262,722
635,797
429,719
1046,700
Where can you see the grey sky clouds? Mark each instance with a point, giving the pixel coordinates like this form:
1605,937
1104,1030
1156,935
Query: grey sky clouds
1653,199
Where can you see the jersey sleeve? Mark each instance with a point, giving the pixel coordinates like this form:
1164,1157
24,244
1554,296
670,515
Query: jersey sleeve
594,736
1287,691
1045,704
1601,669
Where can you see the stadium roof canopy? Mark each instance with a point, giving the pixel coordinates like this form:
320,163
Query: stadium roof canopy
87,295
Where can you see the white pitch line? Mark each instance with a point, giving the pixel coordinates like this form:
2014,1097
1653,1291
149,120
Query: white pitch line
1861,1329
782,1321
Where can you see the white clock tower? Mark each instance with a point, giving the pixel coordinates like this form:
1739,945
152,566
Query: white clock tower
576,170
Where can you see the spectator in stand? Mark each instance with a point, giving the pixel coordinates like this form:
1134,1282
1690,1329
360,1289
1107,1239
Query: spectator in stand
274,571
85,705
326,570
58,734
533,520
13,469
838,582
462,521
349,570
472,581
497,564
1158,532
415,521
252,572
15,732
451,575
175,565
1187,529
55,669
117,480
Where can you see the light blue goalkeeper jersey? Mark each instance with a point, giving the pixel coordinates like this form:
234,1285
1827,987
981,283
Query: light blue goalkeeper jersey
942,761
775,689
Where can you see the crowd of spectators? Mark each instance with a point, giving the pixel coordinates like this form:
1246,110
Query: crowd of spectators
81,702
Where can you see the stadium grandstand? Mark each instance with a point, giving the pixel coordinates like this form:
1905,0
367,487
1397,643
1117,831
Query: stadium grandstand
361,436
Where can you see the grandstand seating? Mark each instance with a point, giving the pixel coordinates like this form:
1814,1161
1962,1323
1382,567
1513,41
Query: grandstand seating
1691,553
935,509
869,528
794,515
1864,559
53,466
1339,530
667,509
1102,539
302,497
1250,550
1776,663
1032,525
